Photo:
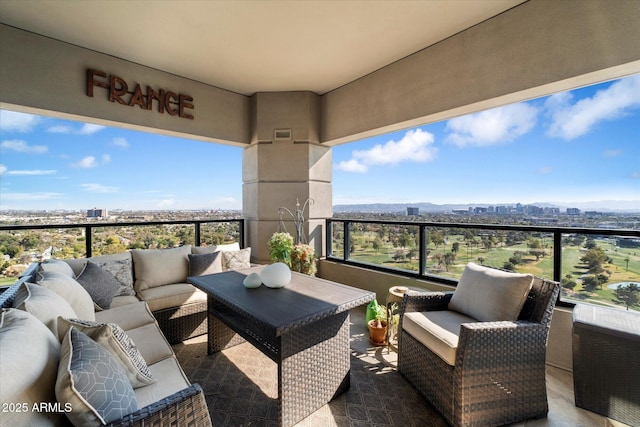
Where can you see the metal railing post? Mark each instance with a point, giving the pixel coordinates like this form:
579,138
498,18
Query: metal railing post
88,241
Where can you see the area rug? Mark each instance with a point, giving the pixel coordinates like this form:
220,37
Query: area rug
240,385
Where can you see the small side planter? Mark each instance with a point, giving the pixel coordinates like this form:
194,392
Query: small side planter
377,331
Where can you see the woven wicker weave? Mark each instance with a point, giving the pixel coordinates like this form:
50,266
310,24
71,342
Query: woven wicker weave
186,408
184,322
499,375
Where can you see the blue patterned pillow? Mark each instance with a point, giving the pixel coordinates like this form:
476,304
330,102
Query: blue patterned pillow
100,284
92,382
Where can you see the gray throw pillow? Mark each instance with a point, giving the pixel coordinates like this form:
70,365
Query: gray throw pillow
92,382
201,264
100,284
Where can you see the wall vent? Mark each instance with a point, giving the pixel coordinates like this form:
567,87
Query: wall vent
282,135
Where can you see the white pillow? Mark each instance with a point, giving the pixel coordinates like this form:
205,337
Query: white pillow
44,304
72,291
29,355
490,295
217,248
236,260
157,267
56,266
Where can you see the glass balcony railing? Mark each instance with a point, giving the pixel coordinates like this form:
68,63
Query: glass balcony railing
23,244
599,266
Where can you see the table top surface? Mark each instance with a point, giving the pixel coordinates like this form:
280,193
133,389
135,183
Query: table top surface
616,320
304,300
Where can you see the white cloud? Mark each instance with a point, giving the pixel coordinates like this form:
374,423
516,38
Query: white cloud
30,196
415,146
33,172
60,129
86,129
612,153
106,159
569,121
120,142
98,188
3,169
495,126
545,170
86,163
23,147
11,121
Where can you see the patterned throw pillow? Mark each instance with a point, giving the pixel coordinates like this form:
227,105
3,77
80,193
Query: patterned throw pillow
117,342
235,260
201,264
122,270
92,382
100,284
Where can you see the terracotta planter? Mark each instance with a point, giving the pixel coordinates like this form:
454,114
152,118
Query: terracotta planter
378,332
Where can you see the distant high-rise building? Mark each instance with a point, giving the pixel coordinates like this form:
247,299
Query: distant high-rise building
413,211
96,213
573,211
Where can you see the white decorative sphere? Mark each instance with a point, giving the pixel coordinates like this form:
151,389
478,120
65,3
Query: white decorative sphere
252,281
276,275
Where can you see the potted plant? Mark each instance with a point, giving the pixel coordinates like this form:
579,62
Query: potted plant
377,323
303,259
281,247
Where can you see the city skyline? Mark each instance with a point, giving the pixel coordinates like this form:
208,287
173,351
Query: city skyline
565,149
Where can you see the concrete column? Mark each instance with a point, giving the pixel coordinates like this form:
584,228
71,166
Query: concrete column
285,163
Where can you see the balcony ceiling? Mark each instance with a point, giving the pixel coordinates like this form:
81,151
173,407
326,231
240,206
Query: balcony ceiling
255,46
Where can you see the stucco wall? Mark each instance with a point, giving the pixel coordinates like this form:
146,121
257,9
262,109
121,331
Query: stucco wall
40,75
534,49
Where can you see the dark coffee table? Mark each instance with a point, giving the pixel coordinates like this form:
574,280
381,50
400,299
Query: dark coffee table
303,327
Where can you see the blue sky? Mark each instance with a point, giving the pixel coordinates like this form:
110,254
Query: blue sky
568,148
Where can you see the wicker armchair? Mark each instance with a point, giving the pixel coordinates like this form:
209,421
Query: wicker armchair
499,372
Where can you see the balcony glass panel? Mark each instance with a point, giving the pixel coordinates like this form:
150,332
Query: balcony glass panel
601,270
337,239
388,245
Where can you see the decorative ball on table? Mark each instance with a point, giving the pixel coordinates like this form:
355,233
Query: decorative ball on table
276,275
253,280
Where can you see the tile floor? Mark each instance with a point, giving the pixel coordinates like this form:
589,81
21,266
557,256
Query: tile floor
241,389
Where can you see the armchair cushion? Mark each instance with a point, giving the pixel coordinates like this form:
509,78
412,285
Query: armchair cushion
437,330
490,295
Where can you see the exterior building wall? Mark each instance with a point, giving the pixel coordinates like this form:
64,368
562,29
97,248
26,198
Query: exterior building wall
41,75
531,50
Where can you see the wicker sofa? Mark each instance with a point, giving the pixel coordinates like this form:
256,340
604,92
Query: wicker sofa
479,356
55,313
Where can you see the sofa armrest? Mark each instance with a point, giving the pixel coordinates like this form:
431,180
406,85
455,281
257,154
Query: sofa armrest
501,344
186,407
421,301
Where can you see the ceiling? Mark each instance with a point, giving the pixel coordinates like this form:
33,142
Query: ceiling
254,46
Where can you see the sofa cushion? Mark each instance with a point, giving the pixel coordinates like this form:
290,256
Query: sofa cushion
169,296
151,342
118,343
29,354
119,265
489,295
72,291
236,260
44,304
128,316
437,330
157,267
93,382
123,300
56,266
217,248
99,283
200,264
171,379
